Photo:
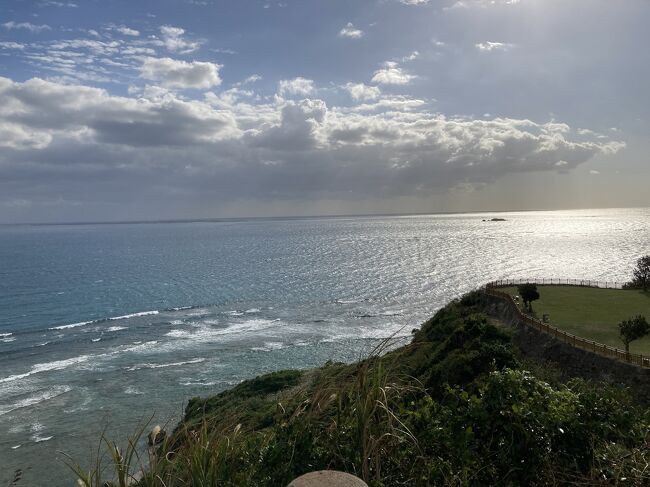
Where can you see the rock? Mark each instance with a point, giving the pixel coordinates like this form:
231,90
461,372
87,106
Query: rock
156,436
328,478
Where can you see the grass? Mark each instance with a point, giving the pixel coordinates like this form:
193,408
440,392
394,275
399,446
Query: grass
593,313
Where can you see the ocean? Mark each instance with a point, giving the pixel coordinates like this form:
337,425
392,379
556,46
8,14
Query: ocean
103,327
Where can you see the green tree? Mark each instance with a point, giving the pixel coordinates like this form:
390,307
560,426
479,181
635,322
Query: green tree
528,293
641,273
633,329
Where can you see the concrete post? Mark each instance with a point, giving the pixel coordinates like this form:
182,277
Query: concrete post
328,478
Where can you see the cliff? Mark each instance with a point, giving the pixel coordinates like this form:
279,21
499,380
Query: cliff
456,406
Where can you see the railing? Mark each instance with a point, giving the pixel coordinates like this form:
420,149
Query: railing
558,282
576,341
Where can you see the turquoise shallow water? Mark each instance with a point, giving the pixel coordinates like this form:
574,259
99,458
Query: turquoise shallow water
104,325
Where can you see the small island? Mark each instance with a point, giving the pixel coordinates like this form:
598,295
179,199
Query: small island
496,220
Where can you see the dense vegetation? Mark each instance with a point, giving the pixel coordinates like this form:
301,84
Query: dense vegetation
454,407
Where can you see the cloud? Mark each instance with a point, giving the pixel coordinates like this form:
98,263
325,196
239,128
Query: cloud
493,46
466,4
399,103
11,45
252,79
94,146
58,4
297,86
11,25
360,91
297,130
127,31
37,112
411,57
350,31
173,39
174,73
414,2
392,74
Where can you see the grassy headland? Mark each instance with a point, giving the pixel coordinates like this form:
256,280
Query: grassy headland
593,313
455,407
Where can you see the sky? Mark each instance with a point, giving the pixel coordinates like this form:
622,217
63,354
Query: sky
114,110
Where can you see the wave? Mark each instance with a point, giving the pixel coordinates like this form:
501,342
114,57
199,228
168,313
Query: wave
134,315
140,347
117,328
40,439
72,325
46,367
5,335
204,384
102,320
269,346
35,399
162,366
207,333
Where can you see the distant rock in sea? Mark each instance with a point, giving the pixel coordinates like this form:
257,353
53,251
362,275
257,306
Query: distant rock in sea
496,220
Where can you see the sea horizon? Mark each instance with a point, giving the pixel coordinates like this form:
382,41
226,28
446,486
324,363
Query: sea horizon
315,216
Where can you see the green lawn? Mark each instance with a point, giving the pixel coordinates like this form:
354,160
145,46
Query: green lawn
593,313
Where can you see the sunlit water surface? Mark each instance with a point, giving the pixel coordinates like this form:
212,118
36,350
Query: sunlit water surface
104,325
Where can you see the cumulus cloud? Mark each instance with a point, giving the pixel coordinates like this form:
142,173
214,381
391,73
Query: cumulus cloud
36,112
173,38
296,86
493,46
11,45
127,31
360,91
228,146
351,31
34,28
414,2
392,74
173,73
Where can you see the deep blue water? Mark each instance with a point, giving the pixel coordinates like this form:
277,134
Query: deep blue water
103,325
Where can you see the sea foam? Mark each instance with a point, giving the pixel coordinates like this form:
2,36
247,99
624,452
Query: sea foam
161,366
112,318
35,399
47,366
